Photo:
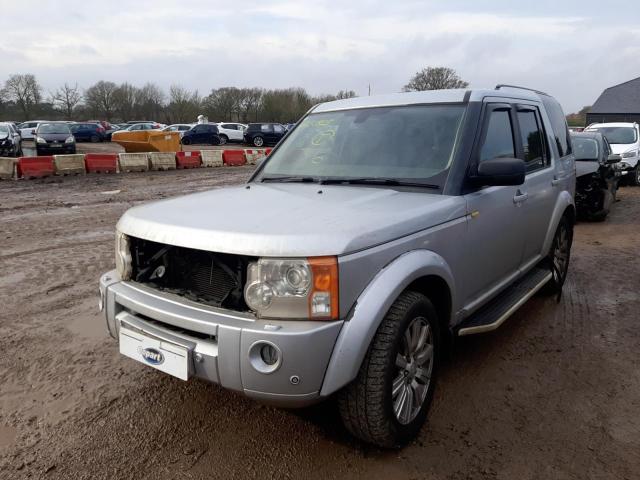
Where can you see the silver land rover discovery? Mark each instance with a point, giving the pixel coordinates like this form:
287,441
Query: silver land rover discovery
378,230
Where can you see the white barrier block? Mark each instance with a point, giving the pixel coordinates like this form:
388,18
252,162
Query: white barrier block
254,154
8,168
69,164
211,158
162,160
133,162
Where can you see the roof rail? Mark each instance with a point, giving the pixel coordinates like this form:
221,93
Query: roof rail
498,87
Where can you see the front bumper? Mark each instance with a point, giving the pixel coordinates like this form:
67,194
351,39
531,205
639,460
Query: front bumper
59,148
219,342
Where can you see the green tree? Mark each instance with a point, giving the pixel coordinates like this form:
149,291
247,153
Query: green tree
435,78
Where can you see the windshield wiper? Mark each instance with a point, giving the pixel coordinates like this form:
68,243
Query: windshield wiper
290,179
377,181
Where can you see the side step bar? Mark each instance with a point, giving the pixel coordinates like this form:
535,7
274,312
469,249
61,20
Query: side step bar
494,314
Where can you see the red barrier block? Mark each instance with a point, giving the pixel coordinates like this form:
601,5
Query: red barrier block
36,167
233,157
101,162
188,159
267,151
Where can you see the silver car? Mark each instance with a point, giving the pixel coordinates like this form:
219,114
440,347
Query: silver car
378,230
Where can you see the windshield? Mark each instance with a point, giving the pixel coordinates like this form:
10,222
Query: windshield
411,143
585,149
53,128
619,135
4,129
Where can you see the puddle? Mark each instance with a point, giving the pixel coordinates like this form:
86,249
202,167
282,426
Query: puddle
7,435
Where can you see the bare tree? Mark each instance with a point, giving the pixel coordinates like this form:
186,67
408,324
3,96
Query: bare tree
435,78
24,90
183,106
150,101
124,99
66,98
100,99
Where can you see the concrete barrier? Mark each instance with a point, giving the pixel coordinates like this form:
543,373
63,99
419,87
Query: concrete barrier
211,158
133,162
8,168
252,155
69,164
162,160
188,159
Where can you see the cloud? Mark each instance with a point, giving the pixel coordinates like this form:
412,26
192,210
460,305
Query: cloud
323,45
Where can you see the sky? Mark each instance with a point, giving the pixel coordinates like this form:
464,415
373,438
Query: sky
570,49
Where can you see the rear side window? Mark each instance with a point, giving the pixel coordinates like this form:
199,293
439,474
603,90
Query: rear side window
559,125
265,128
278,128
532,140
498,142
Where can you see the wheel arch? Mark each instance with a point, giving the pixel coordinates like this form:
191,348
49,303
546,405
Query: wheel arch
421,270
564,206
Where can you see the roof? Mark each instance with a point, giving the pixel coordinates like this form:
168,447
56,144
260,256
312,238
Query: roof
429,96
622,98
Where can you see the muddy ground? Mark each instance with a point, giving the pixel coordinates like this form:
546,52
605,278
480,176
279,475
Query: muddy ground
553,394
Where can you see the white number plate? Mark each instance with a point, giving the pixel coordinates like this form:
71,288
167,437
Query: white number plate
159,354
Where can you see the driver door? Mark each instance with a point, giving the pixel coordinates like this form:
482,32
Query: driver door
496,225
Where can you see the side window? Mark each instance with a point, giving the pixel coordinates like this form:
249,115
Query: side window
265,128
228,126
559,125
498,141
532,140
278,128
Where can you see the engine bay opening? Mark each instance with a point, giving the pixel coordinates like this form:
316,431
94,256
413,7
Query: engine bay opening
215,279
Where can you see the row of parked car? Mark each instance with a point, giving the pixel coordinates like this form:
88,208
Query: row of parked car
607,156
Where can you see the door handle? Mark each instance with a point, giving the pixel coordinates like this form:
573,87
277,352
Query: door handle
520,197
556,181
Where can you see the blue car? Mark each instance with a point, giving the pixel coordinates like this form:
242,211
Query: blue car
88,132
202,134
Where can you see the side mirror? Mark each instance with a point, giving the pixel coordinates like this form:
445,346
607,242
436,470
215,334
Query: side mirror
499,172
613,158
33,132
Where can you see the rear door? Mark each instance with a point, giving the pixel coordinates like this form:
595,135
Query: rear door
539,184
496,226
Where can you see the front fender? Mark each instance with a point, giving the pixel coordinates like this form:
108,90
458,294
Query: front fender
371,307
564,201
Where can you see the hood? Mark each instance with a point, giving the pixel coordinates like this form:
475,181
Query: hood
586,167
292,220
620,148
50,137
4,135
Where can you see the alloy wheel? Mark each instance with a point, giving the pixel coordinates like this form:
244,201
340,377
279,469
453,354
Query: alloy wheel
414,366
560,254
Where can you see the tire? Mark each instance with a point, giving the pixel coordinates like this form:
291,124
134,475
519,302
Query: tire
636,175
559,256
369,407
94,139
257,141
222,140
186,141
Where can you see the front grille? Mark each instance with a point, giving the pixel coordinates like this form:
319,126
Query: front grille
211,278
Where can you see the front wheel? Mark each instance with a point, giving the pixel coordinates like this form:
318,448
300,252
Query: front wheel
222,140
387,403
559,256
636,175
258,141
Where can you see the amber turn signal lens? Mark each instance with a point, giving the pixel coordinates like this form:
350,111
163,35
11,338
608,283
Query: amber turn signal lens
323,300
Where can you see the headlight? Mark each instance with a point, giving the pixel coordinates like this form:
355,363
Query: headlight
123,256
70,139
293,288
624,165
630,154
40,140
